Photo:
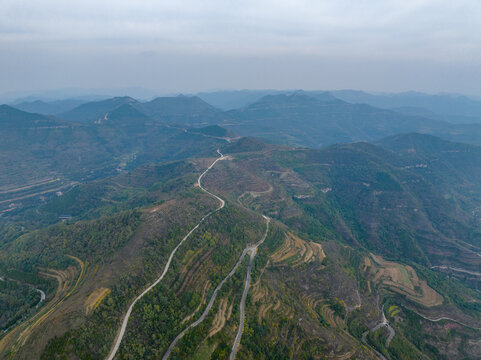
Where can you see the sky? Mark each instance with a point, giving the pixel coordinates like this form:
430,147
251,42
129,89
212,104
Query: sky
190,45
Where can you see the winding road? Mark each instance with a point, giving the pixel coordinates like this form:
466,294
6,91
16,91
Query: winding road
383,323
41,292
125,321
253,250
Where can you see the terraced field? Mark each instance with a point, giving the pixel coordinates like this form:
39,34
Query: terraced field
401,279
296,251
68,281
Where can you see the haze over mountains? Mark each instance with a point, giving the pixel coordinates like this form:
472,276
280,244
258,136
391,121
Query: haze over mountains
96,137
359,214
450,117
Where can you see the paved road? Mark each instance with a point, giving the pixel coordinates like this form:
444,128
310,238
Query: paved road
252,250
384,323
42,296
207,309
447,319
444,267
125,321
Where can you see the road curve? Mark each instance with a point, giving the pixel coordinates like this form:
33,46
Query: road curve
121,333
253,251
384,323
42,297
207,309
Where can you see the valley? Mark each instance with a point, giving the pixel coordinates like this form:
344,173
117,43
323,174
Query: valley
209,245
256,180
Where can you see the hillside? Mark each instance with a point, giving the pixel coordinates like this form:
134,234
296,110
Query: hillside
300,119
37,149
318,119
457,109
96,110
364,192
185,110
41,155
354,232
14,120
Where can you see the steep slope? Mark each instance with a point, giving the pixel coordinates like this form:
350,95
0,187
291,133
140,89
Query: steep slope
354,230
235,99
126,117
441,156
183,110
215,131
42,155
36,148
376,199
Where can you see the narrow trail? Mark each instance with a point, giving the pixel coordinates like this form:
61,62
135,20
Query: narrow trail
447,319
252,249
125,321
445,267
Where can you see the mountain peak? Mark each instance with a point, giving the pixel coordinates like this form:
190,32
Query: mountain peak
92,111
126,111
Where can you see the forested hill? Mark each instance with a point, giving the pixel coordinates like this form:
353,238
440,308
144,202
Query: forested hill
355,233
42,155
310,120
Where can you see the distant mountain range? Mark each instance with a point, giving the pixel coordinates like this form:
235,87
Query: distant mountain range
354,237
38,149
457,109
321,119
451,108
99,134
48,108
191,111
309,119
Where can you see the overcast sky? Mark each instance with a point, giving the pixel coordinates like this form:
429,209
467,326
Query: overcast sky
194,45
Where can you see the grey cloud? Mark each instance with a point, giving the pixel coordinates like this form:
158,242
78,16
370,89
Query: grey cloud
53,43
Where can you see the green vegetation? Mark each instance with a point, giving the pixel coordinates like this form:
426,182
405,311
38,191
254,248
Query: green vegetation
17,301
313,291
90,240
158,315
317,120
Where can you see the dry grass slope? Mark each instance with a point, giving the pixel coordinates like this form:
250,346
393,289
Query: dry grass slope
95,298
401,279
296,251
17,337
